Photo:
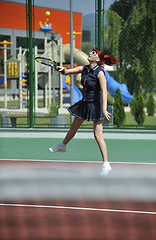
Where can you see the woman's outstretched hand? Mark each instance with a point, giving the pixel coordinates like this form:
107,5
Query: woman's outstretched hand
107,115
60,69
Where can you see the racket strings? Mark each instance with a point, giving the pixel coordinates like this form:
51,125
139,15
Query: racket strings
46,61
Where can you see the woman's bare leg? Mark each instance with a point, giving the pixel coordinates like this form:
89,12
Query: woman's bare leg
61,147
98,128
77,122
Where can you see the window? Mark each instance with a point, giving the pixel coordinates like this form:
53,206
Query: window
85,36
23,42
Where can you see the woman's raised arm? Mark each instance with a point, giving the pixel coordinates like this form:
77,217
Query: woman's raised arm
75,70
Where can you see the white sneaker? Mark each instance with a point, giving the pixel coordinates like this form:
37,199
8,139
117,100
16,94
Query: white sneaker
58,148
106,168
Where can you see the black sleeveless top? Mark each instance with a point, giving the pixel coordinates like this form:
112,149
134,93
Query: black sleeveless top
90,83
90,107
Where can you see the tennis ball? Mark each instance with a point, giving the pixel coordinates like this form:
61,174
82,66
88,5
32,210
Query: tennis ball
47,13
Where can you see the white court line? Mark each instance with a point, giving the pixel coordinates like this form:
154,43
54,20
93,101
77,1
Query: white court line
73,161
78,208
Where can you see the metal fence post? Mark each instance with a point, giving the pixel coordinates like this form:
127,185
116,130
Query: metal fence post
30,65
71,57
99,24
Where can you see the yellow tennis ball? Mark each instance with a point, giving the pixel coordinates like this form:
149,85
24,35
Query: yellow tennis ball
47,13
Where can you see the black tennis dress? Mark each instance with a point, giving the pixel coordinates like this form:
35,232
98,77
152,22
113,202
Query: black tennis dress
90,107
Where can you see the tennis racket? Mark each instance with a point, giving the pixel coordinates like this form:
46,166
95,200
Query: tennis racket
48,62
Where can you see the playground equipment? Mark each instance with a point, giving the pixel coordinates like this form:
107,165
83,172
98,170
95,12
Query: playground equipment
5,43
14,70
54,50
43,76
66,86
46,27
24,89
47,78
113,85
81,59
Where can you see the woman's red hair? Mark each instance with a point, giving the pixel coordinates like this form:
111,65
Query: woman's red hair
105,59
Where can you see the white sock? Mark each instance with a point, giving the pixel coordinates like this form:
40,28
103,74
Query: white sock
105,163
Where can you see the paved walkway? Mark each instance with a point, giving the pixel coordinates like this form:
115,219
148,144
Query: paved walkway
81,134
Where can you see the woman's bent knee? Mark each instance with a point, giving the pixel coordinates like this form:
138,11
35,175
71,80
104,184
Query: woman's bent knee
98,137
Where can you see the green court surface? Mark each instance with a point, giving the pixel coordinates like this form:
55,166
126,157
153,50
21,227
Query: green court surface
78,150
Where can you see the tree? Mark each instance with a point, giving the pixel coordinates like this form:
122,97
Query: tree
114,29
135,42
150,105
123,8
133,105
118,113
139,113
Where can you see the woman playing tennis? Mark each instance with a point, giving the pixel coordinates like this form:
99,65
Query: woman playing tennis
93,106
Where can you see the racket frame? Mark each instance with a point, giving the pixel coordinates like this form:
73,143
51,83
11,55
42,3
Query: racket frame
51,64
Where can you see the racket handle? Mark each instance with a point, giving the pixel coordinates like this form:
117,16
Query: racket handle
63,71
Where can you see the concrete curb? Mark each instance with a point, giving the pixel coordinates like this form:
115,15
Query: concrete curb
81,134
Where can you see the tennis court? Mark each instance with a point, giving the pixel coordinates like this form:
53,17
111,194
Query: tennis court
62,195
126,146
25,215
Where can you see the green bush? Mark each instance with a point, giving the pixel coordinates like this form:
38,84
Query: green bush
119,114
54,111
139,113
150,105
133,105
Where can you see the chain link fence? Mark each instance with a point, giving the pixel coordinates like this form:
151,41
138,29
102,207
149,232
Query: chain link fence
128,33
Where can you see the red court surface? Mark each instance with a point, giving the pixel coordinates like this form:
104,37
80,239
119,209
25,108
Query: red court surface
78,167
78,219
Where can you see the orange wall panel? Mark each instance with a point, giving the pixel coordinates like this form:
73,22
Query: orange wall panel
13,16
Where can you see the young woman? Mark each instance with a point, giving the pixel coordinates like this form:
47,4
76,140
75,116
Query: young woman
93,106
